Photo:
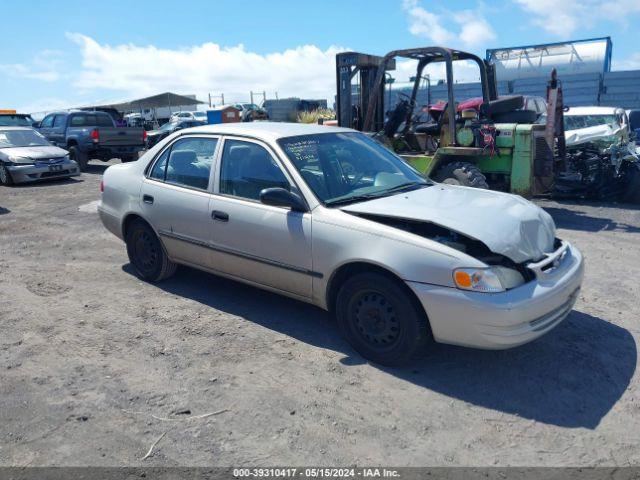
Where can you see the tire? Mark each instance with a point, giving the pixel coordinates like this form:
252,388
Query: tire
5,176
632,192
461,173
129,158
380,319
79,156
517,116
146,253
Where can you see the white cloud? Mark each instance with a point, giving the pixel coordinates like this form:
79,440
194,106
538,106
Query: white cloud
632,62
565,18
44,67
472,28
133,70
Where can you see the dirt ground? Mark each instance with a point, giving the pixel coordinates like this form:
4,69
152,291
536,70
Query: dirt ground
96,366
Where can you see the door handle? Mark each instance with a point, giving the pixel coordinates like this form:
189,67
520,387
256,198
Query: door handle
221,216
147,199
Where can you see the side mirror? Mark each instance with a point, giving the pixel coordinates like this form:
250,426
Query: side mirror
280,197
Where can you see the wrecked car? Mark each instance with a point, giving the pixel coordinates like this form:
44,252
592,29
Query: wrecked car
328,216
602,158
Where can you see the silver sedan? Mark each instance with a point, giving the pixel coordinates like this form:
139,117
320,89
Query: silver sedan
328,216
26,156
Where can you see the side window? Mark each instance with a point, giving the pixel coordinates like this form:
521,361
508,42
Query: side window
47,122
159,169
247,169
78,121
190,161
59,121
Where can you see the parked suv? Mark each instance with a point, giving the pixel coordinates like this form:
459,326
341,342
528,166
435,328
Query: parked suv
89,135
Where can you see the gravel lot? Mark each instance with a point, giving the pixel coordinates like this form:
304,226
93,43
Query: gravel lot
96,365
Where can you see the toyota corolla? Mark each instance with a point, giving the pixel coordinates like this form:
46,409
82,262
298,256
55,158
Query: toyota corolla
328,216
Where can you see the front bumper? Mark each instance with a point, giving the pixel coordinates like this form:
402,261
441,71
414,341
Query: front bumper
507,319
43,171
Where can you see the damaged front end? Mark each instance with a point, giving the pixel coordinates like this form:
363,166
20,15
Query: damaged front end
599,164
510,274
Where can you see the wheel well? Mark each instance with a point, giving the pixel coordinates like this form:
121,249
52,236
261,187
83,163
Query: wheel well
128,220
349,270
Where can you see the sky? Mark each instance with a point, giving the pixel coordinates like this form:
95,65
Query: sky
61,54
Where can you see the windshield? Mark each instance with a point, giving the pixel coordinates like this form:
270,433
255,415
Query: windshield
168,126
200,114
344,168
21,138
575,122
15,121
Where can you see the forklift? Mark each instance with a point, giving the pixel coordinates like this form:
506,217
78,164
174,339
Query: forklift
490,143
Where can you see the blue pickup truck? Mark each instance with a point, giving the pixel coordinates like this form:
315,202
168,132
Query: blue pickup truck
92,135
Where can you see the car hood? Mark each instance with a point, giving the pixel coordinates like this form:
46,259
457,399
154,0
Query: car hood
35,153
507,224
606,134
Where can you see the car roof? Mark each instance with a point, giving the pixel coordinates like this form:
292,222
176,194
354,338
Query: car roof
591,111
267,131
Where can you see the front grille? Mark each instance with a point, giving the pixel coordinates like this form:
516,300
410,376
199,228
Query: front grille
54,174
543,157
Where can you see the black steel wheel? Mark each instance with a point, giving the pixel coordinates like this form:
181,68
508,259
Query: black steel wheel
380,319
147,254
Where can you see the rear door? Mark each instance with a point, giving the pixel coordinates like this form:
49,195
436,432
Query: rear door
261,243
175,197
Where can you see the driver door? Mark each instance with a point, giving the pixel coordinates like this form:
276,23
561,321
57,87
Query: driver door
267,245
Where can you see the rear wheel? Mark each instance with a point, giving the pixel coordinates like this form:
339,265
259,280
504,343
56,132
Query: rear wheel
79,157
146,253
5,176
380,320
461,173
129,158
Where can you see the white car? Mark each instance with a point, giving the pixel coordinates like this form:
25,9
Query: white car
328,216
182,116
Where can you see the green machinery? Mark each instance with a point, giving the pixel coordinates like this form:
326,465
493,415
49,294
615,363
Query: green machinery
487,143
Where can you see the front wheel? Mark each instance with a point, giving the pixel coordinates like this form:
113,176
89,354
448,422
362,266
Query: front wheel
380,320
461,173
5,176
146,253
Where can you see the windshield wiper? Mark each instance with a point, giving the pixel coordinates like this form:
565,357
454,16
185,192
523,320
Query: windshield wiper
405,186
379,194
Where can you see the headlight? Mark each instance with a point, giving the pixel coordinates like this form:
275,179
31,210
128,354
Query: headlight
20,160
477,280
487,280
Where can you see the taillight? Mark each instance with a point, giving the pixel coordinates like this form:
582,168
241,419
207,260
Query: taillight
101,186
95,135
144,135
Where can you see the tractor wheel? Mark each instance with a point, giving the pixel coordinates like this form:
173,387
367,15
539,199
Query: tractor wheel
461,173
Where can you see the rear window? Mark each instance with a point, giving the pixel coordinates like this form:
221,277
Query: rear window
15,121
91,120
